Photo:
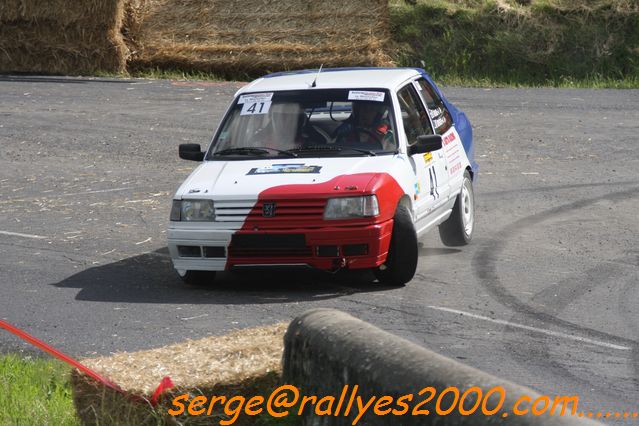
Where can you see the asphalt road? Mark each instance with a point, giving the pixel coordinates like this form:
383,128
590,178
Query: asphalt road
546,295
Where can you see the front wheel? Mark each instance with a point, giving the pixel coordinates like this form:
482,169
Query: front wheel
197,278
458,229
401,262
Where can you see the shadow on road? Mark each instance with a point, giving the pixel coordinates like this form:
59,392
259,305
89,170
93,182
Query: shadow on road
436,251
150,278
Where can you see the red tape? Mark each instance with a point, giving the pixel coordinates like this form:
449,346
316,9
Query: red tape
165,384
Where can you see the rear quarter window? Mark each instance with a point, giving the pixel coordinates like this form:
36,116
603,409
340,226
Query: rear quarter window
437,111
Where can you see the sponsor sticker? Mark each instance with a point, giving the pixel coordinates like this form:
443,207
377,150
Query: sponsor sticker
284,169
428,157
255,97
455,169
449,138
366,95
255,103
439,122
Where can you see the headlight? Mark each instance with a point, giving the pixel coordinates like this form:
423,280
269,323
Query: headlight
193,211
351,207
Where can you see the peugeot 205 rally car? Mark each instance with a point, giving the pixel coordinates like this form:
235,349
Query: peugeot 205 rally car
341,168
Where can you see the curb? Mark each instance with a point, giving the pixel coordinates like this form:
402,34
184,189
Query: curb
325,349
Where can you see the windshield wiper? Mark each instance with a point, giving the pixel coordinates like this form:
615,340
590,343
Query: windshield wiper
248,150
332,148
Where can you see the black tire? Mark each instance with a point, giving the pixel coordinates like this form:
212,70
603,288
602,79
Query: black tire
458,229
198,278
401,262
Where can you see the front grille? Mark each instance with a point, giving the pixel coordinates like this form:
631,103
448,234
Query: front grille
285,210
293,209
232,211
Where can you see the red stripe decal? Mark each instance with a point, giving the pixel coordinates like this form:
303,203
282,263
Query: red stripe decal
383,185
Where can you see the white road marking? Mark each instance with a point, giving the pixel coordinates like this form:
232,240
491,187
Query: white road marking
534,329
97,191
195,317
18,234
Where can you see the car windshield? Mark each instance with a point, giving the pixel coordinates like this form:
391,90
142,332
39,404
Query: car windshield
336,122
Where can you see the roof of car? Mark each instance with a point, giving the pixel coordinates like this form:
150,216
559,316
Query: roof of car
332,78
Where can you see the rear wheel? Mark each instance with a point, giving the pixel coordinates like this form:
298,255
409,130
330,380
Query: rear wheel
401,263
197,278
458,229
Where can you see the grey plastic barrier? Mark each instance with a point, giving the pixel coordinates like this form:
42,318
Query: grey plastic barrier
326,349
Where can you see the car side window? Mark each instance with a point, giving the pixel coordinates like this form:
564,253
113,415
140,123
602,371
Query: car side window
414,116
436,108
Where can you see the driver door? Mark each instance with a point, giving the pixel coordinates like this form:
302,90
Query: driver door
430,168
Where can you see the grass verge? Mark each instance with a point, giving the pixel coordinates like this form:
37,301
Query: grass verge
35,391
592,82
558,43
442,78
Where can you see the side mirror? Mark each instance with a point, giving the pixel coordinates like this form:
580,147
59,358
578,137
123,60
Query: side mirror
426,143
191,151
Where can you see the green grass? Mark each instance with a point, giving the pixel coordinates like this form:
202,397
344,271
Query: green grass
442,78
559,43
596,82
171,74
35,392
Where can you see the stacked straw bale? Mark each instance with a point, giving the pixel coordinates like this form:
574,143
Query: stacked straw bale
256,36
245,362
63,36
224,36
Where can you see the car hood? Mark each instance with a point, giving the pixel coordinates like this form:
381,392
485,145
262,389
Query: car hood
245,180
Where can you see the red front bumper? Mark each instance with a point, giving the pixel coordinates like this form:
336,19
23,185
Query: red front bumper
328,248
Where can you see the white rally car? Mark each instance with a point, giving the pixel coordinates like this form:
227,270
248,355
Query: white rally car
337,168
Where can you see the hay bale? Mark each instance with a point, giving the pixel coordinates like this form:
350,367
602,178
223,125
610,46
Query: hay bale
245,362
44,48
63,36
223,36
261,35
90,13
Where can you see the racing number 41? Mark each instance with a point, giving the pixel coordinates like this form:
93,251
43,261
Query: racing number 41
255,108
